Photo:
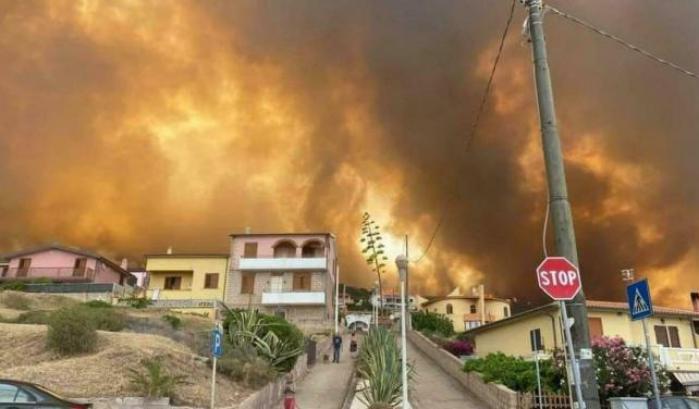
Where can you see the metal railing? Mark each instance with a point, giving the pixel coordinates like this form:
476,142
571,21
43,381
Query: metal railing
680,359
50,273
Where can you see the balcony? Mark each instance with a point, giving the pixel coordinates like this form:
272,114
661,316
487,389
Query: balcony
284,264
56,274
293,298
679,359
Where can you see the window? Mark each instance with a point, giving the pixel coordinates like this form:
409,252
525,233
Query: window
285,249
472,324
473,309
595,325
312,249
173,282
211,280
247,284
79,267
13,394
450,309
505,312
302,281
23,269
535,340
250,250
696,327
667,336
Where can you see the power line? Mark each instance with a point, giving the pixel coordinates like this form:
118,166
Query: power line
476,121
621,41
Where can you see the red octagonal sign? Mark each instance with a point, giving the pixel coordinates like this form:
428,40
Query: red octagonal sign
558,278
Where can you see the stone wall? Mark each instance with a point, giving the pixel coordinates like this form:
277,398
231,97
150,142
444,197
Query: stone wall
494,395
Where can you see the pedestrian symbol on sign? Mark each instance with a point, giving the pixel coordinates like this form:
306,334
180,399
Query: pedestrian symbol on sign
639,304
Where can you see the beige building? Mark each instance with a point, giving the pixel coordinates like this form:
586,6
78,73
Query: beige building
291,275
468,311
191,283
674,334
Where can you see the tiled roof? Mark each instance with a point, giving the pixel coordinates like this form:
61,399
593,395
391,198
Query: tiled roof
614,305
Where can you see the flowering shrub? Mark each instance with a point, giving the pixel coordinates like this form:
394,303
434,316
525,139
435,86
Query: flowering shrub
623,370
458,348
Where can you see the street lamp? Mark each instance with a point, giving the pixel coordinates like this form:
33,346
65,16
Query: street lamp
402,263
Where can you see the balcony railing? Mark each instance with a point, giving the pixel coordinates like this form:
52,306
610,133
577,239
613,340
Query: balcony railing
62,274
678,359
293,298
269,264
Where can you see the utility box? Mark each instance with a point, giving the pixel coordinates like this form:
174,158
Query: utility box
628,403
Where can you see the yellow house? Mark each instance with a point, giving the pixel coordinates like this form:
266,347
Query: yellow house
467,312
674,334
190,283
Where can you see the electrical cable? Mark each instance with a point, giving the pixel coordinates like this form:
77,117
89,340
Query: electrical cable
623,42
476,121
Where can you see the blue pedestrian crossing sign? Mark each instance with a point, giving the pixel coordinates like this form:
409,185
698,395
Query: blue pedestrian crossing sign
638,297
216,343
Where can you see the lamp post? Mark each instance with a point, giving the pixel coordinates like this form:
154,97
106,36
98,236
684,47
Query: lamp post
402,263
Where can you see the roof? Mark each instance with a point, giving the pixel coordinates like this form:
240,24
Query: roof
281,234
462,297
188,255
81,252
591,305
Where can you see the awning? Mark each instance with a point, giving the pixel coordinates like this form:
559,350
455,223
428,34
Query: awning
687,378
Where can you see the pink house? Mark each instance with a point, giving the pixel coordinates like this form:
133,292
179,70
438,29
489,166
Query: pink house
62,264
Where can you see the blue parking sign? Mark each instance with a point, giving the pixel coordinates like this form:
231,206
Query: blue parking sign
216,343
638,297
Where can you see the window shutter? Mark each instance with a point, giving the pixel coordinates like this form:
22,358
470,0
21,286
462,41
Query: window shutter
674,337
595,325
250,250
661,335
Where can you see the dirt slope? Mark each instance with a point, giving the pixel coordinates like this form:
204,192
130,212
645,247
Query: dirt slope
104,373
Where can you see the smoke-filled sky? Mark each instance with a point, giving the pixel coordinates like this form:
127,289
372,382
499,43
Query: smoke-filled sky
130,126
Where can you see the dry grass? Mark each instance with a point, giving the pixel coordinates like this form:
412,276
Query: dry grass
104,373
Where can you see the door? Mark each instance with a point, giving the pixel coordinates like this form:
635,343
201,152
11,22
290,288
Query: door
23,269
276,283
80,267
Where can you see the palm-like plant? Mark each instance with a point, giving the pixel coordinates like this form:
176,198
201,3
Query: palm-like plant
154,381
373,250
380,364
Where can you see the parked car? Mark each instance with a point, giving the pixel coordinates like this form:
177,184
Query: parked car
675,402
19,395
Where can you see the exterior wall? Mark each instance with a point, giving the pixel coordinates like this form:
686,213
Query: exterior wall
494,310
513,338
321,281
192,286
105,274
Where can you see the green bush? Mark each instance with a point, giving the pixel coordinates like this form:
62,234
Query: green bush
13,286
97,304
174,321
245,366
516,373
105,319
136,302
16,301
153,380
33,317
432,323
71,331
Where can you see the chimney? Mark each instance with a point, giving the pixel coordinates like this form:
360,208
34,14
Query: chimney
169,250
124,264
248,230
695,300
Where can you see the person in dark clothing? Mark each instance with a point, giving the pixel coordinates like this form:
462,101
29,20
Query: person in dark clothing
353,345
337,346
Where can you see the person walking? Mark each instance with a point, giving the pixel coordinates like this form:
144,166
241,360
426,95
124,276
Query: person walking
337,346
353,345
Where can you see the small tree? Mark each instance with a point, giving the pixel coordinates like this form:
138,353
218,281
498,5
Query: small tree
71,331
373,250
154,380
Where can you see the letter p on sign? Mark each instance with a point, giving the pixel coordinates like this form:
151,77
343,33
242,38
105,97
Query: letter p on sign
558,278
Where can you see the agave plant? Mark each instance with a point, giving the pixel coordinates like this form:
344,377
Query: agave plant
273,338
380,364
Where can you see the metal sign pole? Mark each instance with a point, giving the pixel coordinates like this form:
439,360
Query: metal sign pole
538,378
213,383
656,390
573,360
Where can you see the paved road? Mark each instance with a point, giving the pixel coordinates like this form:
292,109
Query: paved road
325,386
435,389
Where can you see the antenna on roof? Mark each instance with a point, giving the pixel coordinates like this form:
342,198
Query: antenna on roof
124,264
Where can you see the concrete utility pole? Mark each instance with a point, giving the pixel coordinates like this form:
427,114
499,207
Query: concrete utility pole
407,283
561,215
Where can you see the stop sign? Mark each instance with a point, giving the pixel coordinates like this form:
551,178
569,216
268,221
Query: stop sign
558,278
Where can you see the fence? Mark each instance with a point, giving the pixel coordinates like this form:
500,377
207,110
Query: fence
545,401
